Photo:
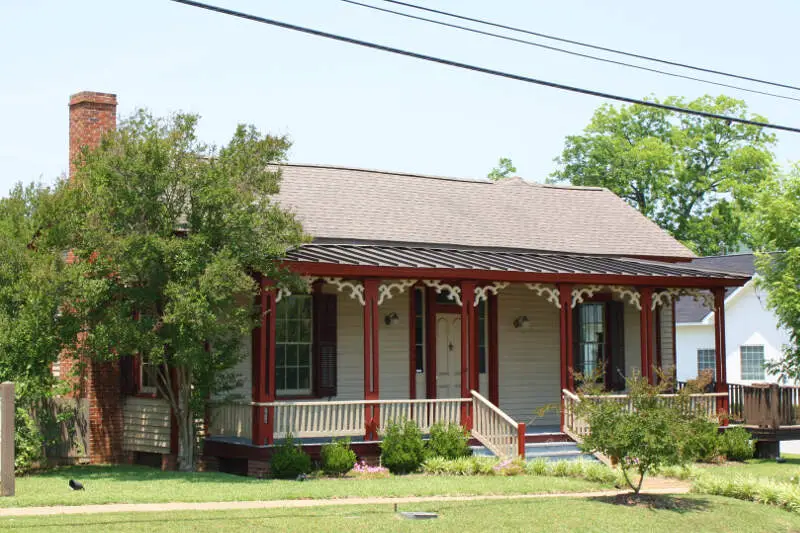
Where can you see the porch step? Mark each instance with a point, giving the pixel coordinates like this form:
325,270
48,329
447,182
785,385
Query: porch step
551,451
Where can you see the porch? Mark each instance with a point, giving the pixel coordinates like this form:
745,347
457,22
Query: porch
487,351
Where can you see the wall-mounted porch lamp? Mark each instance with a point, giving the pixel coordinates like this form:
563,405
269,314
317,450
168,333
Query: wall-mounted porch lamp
391,319
522,322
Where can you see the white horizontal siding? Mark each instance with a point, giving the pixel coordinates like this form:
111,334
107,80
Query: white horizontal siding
667,348
147,425
529,359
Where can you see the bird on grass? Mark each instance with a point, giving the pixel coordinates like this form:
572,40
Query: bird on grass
75,485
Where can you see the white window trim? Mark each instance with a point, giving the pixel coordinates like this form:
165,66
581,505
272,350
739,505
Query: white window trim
310,390
697,360
763,362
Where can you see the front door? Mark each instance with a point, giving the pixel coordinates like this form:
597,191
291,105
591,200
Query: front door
448,355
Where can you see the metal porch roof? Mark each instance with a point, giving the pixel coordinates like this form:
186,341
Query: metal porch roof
411,256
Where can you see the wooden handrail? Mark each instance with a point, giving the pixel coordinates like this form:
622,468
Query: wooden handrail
494,408
357,402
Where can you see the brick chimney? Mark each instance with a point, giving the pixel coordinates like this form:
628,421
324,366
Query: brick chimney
91,114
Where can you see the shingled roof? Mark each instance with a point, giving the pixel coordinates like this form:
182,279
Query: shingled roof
349,205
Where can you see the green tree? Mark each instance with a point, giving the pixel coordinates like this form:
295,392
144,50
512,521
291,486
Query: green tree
503,169
31,326
694,177
167,233
775,225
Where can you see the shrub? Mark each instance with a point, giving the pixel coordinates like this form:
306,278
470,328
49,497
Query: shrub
402,448
450,441
289,460
28,442
647,432
510,467
736,444
337,457
703,442
538,467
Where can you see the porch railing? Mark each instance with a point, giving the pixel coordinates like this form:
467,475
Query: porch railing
575,426
495,429
347,418
231,420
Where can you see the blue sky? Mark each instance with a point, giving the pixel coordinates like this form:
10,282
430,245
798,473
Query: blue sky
350,106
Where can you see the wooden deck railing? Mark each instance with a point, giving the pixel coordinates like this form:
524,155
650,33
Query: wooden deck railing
495,429
769,405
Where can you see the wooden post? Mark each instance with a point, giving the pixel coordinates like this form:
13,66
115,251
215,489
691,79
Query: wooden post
565,328
646,333
493,363
371,358
720,352
263,373
521,439
469,352
6,439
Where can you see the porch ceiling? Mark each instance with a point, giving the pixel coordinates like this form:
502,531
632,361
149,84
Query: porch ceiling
500,261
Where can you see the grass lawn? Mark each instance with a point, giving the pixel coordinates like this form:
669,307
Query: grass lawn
761,468
134,484
690,513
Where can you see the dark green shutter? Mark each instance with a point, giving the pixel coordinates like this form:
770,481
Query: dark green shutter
616,345
325,349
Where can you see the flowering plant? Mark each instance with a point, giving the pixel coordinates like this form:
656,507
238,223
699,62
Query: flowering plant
363,470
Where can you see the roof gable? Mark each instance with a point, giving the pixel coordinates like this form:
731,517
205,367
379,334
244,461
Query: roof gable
347,205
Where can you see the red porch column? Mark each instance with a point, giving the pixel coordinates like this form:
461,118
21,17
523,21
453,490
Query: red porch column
263,370
371,359
469,352
720,350
565,326
646,333
493,363
565,340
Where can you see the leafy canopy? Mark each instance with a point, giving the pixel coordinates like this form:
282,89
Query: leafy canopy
503,169
692,176
167,233
775,225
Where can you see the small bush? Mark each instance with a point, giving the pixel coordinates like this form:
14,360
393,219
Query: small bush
289,460
538,467
736,444
450,441
28,442
337,458
402,448
510,467
704,441
483,466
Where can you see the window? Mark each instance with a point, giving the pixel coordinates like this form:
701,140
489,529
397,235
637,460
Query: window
706,360
752,362
482,345
591,347
147,381
419,328
293,345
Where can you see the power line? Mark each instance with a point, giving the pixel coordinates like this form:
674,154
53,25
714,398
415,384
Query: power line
482,70
594,46
565,51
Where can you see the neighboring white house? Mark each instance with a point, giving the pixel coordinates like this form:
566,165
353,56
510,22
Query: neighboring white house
751,329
